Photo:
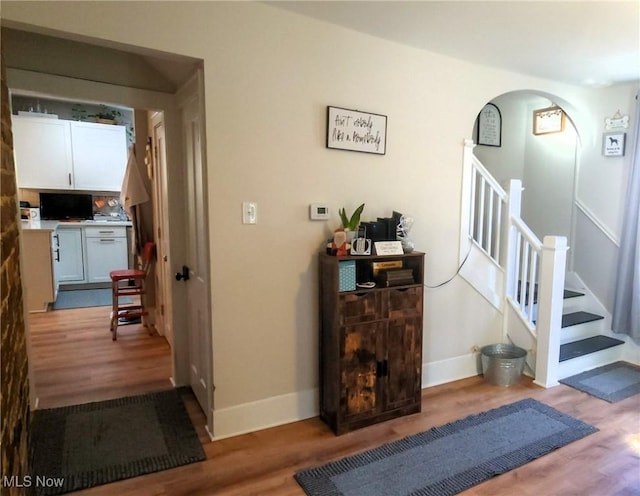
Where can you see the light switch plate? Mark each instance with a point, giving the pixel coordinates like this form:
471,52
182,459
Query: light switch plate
249,213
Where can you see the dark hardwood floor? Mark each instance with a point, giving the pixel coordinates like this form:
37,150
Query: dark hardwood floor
75,361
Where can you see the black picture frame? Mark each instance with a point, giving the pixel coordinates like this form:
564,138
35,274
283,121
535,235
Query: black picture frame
356,131
489,126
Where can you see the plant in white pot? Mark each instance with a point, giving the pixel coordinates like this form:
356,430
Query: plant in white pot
351,224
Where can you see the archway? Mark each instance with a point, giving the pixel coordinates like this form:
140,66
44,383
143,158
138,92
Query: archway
546,164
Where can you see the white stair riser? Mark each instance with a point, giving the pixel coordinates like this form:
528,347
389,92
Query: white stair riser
590,361
570,305
581,331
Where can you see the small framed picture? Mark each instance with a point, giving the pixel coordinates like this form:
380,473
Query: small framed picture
548,120
489,126
613,144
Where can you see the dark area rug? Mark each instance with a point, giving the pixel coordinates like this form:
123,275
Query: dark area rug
82,446
612,383
449,459
80,298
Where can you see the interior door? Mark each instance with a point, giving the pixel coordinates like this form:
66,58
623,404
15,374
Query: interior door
156,155
199,320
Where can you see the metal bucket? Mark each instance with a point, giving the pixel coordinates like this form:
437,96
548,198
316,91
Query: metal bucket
502,364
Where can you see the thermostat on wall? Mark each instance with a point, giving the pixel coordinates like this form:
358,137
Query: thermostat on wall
318,211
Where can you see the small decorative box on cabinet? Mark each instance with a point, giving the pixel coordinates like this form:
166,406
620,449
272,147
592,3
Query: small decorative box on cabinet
371,343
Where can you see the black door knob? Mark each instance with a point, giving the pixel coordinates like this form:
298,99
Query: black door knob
184,275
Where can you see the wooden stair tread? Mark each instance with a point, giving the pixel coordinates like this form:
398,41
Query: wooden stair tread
586,346
575,318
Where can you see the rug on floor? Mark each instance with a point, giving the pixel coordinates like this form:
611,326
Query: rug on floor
80,298
449,459
82,446
612,383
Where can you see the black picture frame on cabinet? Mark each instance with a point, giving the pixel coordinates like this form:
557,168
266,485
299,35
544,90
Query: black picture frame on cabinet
489,126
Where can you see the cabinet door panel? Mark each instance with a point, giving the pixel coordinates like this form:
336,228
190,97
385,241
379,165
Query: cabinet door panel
69,264
361,307
105,255
404,356
99,156
361,349
42,150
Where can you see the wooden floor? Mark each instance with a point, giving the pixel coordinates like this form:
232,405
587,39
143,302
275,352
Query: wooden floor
71,369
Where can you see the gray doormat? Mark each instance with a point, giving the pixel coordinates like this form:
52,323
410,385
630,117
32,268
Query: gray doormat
80,298
612,383
82,446
449,459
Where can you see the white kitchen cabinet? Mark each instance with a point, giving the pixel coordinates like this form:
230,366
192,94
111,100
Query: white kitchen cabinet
99,156
69,260
59,154
106,249
42,148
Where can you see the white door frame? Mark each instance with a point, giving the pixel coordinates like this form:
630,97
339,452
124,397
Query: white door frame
75,89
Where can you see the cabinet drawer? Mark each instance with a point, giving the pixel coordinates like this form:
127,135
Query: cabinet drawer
405,302
361,307
105,232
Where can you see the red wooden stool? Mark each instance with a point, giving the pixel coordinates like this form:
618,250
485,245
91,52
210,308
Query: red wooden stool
130,282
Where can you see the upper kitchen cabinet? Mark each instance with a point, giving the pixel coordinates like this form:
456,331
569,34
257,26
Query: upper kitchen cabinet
60,154
42,149
99,156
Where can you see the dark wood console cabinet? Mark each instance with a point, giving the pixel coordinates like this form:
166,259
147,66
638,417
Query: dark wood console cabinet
371,343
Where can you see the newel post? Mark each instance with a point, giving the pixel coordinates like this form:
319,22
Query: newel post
550,296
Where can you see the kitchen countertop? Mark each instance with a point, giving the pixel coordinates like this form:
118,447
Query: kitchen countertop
52,225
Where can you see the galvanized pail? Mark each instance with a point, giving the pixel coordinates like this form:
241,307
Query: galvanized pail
502,364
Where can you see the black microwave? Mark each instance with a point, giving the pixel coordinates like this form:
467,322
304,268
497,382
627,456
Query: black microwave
66,206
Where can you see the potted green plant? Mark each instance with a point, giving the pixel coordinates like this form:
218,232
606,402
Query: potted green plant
106,115
350,224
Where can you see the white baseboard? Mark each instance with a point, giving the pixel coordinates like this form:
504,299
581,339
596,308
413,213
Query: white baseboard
262,414
451,369
292,407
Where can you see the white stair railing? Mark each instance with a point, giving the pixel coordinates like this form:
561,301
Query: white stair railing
533,270
482,219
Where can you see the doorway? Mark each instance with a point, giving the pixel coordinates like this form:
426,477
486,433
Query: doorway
175,310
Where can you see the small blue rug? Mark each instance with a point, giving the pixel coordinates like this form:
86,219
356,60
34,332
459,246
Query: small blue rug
80,298
449,459
613,382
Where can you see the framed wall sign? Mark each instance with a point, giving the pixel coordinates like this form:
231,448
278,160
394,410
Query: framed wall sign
489,126
356,131
548,120
613,144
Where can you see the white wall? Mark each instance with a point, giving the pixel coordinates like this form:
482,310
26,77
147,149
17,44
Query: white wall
600,195
269,76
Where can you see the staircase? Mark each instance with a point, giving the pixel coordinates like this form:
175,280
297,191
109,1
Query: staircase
585,340
560,323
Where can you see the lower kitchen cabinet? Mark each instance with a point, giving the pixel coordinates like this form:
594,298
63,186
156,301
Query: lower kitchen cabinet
87,254
106,251
371,341
69,257
37,278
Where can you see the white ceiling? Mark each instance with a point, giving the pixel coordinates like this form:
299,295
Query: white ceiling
581,42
